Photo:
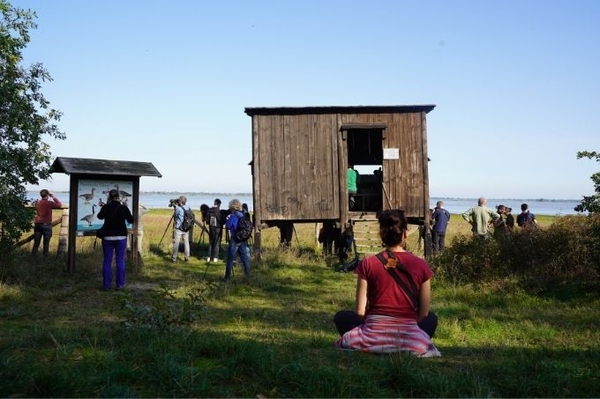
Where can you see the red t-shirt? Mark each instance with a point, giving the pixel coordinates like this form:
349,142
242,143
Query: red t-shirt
44,210
384,296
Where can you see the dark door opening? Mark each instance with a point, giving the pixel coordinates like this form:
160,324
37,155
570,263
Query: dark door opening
365,155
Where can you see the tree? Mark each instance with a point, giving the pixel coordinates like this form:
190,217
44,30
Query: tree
591,203
26,120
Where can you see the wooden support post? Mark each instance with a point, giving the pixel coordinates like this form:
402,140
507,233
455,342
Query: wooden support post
63,233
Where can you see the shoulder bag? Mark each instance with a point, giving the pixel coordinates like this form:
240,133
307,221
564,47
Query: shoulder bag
393,266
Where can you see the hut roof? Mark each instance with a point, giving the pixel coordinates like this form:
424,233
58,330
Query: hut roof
360,109
103,167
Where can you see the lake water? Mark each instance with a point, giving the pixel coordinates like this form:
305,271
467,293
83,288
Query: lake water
453,205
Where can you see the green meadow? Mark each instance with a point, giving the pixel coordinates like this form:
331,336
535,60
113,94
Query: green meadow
178,331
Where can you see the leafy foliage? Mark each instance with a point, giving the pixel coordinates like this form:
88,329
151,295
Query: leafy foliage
26,120
565,254
590,203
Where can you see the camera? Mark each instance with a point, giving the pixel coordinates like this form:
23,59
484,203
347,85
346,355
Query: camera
174,202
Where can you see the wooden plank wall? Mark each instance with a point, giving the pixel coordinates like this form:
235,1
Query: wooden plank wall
404,179
295,162
300,162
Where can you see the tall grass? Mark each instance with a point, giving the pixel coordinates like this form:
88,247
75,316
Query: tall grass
178,331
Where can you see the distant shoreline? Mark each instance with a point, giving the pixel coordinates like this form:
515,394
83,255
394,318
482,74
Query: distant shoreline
223,194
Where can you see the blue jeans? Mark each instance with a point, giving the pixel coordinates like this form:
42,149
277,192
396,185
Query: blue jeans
234,249
118,247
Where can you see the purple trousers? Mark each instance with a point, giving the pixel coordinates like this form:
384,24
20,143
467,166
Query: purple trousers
118,248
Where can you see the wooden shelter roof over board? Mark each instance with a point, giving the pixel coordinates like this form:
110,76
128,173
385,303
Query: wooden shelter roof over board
103,167
359,109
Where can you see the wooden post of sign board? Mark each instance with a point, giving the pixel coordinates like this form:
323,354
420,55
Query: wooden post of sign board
63,234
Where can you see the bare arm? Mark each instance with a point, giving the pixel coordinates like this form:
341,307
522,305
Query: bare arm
361,297
424,300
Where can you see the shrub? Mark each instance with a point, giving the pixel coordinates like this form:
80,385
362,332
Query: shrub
567,253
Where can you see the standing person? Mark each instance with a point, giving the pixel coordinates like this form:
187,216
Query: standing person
352,185
286,232
480,218
327,236
440,218
233,220
215,231
500,223
510,219
43,221
393,295
114,241
178,234
526,218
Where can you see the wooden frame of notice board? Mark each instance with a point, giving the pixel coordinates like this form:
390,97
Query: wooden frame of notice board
89,185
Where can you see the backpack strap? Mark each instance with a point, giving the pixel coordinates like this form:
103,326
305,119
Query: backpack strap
393,265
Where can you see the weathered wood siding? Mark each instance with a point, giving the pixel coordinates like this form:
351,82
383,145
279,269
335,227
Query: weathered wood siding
296,167
405,179
300,160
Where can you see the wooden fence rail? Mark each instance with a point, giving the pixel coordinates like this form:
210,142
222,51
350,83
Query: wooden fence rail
30,238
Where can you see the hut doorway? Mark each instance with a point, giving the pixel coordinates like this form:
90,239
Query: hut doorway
365,154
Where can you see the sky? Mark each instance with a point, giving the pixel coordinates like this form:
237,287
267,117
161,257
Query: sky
515,84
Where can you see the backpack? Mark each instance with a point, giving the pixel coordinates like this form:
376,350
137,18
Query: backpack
188,220
525,219
244,228
214,217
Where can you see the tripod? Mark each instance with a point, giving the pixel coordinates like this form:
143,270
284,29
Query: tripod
166,229
203,232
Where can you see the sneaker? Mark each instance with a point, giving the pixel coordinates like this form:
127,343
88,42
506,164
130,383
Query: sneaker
215,259
208,258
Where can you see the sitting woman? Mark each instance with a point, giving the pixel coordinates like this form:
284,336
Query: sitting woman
393,295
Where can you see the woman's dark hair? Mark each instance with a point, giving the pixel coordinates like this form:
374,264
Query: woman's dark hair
113,194
392,225
204,210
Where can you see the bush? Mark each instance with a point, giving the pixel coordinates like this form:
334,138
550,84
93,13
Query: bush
567,253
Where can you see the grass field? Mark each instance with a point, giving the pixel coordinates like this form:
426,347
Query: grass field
177,331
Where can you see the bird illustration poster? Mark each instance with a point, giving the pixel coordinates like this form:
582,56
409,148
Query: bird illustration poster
93,195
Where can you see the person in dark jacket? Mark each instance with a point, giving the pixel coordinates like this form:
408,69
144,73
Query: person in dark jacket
215,231
510,219
241,248
114,215
440,218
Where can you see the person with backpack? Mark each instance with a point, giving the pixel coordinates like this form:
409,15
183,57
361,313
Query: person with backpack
526,218
393,295
181,230
240,229
215,231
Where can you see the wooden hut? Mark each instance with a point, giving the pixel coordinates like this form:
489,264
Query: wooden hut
300,158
